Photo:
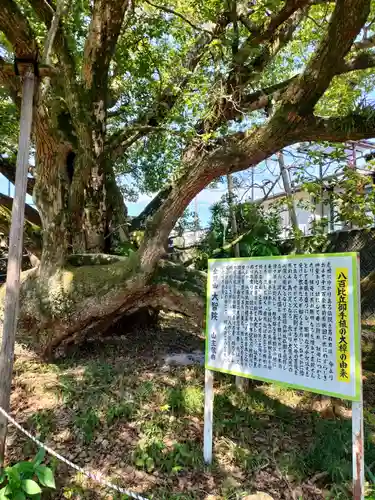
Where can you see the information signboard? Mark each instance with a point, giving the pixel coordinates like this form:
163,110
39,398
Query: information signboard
292,320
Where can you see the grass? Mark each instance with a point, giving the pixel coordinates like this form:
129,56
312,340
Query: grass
187,400
87,422
42,422
124,416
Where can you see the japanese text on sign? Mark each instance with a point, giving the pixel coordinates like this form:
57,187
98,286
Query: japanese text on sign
286,319
342,326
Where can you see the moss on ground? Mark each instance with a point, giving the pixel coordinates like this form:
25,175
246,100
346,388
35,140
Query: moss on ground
181,278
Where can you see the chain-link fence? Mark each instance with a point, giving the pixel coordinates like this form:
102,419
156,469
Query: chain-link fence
356,240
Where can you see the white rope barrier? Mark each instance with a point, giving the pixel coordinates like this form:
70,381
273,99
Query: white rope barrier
95,477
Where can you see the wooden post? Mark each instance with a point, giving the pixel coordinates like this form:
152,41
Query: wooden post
208,415
11,305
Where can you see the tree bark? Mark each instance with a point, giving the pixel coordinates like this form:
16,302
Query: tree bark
51,192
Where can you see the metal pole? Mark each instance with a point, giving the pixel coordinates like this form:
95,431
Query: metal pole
13,283
241,383
357,419
232,213
252,184
358,451
208,415
288,192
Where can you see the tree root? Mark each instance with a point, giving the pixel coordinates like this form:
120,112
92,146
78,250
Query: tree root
87,301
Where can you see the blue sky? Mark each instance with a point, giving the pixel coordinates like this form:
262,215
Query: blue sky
7,188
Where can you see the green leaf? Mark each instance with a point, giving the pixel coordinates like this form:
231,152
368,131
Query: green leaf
39,456
45,476
14,477
25,469
150,464
3,493
30,487
19,495
139,462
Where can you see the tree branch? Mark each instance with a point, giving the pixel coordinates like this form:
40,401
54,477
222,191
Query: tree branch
366,43
46,14
204,163
363,60
52,32
17,30
139,222
121,140
268,29
262,98
104,30
230,104
67,63
177,14
8,169
342,30
353,127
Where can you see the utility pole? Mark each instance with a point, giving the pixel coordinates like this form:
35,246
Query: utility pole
13,282
241,382
252,185
288,192
196,220
232,213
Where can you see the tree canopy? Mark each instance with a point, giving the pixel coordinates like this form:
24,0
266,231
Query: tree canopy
180,72
168,96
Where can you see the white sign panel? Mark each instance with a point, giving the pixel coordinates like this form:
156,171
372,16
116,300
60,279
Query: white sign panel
293,320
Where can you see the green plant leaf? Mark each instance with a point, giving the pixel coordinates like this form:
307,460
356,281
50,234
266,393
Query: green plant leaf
370,474
3,493
19,495
31,487
39,457
45,476
13,476
25,469
150,464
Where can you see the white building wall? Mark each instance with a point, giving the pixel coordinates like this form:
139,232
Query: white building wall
305,216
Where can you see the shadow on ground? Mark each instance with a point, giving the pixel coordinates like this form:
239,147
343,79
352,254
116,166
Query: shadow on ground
114,407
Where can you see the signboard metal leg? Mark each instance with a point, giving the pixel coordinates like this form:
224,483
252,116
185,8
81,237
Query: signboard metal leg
358,451
208,415
357,418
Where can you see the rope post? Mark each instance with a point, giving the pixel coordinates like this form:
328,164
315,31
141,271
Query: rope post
13,283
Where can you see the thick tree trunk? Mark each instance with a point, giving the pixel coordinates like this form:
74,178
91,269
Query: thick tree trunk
51,195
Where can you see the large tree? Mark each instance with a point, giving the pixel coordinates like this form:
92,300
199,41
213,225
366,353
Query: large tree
174,94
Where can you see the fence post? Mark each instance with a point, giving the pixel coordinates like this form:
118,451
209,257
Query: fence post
13,283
